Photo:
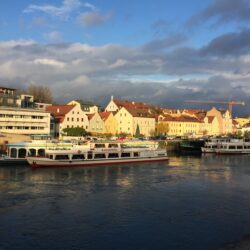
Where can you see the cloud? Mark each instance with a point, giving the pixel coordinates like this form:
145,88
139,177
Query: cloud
164,77
234,43
89,19
165,43
38,21
63,11
53,37
221,12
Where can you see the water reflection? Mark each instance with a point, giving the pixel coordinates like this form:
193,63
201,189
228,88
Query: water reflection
197,202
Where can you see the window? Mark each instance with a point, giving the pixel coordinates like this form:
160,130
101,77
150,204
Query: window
136,154
78,156
72,119
125,155
68,119
113,145
90,155
113,155
99,156
61,157
100,145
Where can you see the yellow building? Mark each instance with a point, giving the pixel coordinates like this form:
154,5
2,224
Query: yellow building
96,124
110,123
210,126
242,121
224,118
181,126
129,119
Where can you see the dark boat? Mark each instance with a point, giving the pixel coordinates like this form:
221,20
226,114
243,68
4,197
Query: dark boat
191,146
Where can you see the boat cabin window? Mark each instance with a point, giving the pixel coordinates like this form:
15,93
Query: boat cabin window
78,156
90,155
113,155
239,147
62,157
99,156
113,145
214,146
51,157
231,147
99,145
136,154
125,154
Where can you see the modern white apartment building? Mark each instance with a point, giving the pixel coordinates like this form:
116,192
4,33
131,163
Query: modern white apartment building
26,121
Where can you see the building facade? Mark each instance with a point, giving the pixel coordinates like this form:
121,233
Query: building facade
24,121
68,116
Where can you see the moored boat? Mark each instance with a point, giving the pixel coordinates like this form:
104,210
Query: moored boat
212,144
234,146
100,153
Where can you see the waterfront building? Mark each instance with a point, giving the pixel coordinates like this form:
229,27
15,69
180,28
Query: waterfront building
182,125
68,116
128,119
110,123
242,120
96,124
115,105
210,126
87,107
224,119
27,121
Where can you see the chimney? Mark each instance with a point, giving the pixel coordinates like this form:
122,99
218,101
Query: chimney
58,110
112,98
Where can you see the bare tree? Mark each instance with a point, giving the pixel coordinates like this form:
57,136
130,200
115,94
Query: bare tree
40,93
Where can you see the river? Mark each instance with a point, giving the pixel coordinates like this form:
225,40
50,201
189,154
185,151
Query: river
185,203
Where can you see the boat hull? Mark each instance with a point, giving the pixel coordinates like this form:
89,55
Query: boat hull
13,162
42,163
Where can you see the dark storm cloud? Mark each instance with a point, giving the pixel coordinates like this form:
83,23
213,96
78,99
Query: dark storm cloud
222,11
165,43
232,44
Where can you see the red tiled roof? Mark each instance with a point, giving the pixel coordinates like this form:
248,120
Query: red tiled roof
210,119
90,116
59,110
104,115
129,104
182,118
135,112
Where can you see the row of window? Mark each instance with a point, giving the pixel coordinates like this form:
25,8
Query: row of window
21,128
95,156
77,119
21,116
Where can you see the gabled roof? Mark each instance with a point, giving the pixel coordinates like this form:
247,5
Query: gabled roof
210,118
247,125
90,116
86,103
182,118
135,112
59,110
129,104
104,115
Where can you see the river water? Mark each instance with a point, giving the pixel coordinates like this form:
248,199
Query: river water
185,203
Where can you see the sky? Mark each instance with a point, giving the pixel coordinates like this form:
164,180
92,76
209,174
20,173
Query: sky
161,52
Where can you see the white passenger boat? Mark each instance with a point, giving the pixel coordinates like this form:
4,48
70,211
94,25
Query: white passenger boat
18,152
234,146
212,144
100,153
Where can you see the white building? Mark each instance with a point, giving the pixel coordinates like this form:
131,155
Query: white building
26,121
68,116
